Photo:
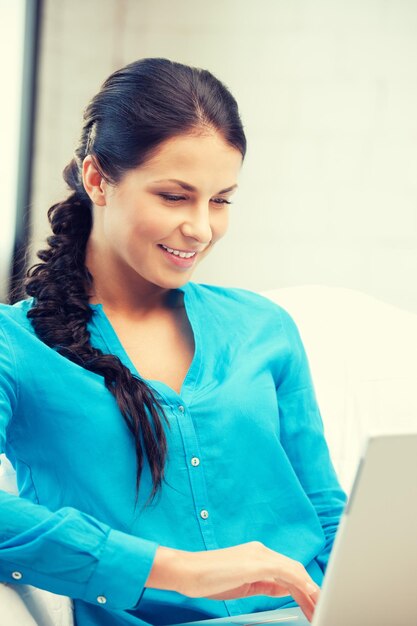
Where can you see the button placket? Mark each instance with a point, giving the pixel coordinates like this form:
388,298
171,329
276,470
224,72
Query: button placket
197,477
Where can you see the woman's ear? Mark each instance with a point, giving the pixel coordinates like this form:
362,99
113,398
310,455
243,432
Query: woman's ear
94,183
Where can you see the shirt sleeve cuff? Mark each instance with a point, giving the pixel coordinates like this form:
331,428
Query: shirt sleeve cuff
122,571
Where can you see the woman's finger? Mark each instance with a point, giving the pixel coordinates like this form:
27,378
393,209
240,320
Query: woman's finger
306,602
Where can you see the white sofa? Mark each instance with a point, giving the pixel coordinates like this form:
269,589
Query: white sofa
363,358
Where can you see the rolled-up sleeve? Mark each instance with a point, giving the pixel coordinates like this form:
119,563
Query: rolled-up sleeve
302,436
66,551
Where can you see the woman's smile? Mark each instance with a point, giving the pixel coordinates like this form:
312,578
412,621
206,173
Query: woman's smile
178,259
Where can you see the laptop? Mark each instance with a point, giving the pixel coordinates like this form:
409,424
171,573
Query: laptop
371,578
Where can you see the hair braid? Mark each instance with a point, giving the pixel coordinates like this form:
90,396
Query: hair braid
60,314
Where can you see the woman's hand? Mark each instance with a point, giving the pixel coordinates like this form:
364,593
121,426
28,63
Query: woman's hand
245,570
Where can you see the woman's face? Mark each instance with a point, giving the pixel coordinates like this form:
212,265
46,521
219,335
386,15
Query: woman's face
164,216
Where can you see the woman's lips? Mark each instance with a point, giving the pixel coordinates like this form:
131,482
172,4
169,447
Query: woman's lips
177,260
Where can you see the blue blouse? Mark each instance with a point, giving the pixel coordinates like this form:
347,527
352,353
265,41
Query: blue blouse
247,460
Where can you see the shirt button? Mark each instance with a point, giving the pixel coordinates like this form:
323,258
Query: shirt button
17,575
101,599
195,461
204,514
181,408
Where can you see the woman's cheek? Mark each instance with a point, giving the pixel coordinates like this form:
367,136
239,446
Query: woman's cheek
220,228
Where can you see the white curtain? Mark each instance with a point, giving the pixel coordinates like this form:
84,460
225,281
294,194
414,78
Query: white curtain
12,15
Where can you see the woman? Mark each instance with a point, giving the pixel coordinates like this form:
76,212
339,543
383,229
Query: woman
168,447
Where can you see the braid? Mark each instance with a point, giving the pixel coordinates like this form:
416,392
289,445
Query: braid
60,314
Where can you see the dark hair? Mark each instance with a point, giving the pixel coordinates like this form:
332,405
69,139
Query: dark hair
138,107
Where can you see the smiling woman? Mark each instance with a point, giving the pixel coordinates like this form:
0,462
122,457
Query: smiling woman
168,445
142,216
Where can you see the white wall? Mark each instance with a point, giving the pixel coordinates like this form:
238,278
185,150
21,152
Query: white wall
328,95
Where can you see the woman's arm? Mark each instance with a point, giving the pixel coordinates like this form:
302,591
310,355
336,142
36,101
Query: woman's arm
66,552
71,553
302,436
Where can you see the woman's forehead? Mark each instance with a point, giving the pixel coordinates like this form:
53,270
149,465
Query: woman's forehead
193,160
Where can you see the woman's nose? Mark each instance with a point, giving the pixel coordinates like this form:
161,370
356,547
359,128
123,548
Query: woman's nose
197,224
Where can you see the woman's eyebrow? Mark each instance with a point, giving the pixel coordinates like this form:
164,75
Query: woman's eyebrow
188,187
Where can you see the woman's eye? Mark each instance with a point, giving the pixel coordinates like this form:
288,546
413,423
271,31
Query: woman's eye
171,197
221,201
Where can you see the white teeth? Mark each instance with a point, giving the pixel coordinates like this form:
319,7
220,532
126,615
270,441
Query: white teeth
183,255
